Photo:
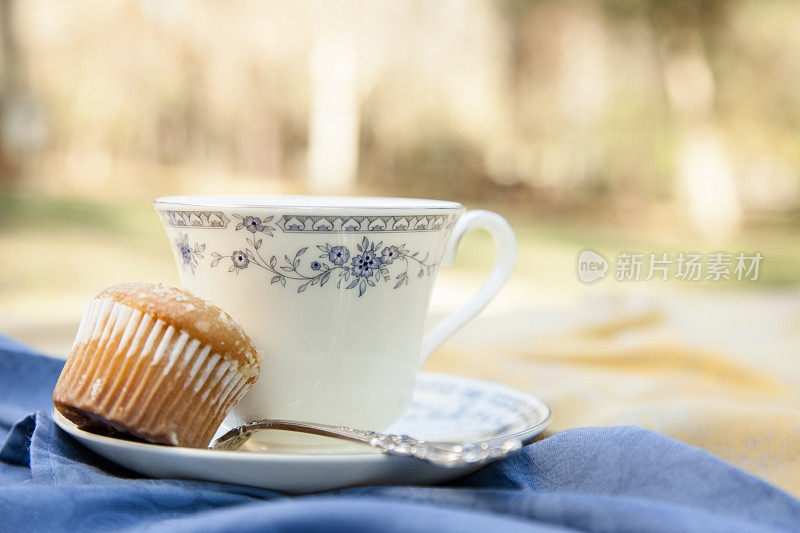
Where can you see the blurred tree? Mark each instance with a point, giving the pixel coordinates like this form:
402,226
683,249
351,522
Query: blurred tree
22,127
8,166
705,183
334,117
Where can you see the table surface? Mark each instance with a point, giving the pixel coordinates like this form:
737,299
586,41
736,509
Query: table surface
715,369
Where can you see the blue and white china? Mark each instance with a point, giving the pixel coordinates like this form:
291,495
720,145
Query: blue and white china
334,292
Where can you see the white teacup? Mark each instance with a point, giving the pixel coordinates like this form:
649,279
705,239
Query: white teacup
333,290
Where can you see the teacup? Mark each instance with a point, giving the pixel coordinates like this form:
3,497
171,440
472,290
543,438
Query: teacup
334,291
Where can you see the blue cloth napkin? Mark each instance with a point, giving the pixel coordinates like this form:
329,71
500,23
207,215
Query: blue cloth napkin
598,479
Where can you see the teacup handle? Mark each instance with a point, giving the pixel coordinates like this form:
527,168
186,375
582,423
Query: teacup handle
505,244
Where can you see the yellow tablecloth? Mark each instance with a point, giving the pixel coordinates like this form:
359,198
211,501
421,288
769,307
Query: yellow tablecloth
717,370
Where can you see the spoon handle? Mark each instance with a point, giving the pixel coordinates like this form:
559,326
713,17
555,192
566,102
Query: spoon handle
441,453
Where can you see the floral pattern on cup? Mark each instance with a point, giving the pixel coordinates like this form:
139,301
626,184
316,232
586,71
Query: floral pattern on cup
370,264
189,254
255,224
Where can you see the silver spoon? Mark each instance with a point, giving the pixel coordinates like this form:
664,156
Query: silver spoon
445,454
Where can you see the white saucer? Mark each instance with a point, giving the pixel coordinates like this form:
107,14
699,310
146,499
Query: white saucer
446,407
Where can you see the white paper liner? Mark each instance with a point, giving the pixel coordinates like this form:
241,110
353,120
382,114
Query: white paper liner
140,375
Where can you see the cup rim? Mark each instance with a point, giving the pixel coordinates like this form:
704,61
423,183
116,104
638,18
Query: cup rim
305,202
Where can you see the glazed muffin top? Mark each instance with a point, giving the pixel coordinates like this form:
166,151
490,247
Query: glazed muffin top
199,318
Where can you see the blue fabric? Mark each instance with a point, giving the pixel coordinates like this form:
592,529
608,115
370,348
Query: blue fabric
598,479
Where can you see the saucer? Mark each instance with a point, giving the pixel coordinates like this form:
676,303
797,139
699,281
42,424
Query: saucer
446,407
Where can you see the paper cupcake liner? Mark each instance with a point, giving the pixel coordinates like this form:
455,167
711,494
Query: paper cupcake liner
139,375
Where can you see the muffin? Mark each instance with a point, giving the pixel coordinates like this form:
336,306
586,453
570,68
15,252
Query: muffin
156,363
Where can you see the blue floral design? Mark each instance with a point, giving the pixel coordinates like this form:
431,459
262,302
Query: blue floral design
240,259
367,268
338,255
389,254
255,224
366,265
189,254
360,269
186,252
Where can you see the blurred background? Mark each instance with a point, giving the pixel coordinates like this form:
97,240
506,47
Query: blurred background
650,126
